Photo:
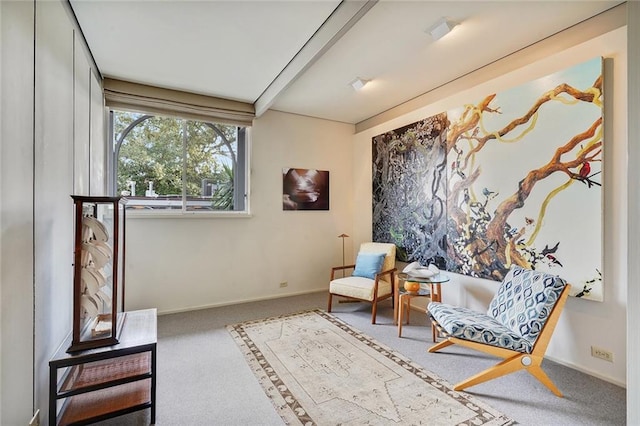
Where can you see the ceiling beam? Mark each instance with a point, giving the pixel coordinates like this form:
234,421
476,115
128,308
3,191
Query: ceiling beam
337,24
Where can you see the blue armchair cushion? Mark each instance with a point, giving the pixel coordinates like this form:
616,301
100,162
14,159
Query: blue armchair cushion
467,324
524,300
368,264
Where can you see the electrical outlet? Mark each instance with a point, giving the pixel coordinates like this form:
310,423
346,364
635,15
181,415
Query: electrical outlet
601,353
35,420
283,284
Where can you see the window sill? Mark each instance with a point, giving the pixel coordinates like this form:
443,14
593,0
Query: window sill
133,214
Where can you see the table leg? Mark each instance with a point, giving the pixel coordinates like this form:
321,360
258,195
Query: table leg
153,384
53,390
436,292
435,297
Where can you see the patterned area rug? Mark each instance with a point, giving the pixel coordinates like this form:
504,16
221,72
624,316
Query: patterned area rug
318,370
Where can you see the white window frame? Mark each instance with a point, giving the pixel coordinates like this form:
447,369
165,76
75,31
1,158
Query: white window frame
241,174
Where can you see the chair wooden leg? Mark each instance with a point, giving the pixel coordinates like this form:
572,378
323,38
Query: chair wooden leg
401,306
440,345
374,311
396,305
329,304
537,372
504,367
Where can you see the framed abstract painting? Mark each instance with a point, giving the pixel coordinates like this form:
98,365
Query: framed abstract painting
305,189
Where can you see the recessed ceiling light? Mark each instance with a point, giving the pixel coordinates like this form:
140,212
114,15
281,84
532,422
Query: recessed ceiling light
441,28
358,83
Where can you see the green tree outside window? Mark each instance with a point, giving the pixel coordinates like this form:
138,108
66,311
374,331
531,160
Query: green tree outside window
173,155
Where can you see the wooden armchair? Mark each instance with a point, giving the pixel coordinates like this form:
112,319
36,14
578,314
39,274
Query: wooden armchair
372,279
517,326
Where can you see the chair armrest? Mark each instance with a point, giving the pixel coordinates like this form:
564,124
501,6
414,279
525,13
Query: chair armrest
390,272
387,272
378,276
340,268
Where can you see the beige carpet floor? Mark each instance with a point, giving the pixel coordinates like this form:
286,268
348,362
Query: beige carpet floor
203,378
319,370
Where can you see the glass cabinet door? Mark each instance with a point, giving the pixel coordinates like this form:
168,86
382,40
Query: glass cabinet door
98,271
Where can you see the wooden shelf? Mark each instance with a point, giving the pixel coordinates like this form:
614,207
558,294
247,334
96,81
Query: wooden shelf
92,374
106,402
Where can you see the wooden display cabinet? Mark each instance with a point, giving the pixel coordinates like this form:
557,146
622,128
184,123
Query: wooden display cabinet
96,384
98,278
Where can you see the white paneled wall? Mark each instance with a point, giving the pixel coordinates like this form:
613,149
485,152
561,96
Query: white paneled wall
16,219
53,183
633,291
47,125
98,140
81,122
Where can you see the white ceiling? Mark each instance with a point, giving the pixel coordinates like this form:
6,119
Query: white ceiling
246,50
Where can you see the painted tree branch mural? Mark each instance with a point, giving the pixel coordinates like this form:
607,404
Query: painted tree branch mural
519,187
495,248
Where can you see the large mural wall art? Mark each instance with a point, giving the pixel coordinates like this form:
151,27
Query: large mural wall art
409,190
522,177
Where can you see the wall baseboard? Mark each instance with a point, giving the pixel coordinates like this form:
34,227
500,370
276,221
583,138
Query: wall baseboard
587,371
239,301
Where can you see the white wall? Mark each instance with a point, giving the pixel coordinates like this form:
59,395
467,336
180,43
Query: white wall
98,138
53,183
81,111
633,203
583,323
16,220
46,128
186,263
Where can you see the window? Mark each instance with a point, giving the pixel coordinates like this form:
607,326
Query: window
179,165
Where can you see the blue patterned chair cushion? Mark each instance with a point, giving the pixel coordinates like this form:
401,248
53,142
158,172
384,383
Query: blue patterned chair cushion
515,317
524,300
467,324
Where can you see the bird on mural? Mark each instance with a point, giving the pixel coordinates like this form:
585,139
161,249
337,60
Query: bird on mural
584,175
553,260
585,291
488,193
588,285
584,171
546,250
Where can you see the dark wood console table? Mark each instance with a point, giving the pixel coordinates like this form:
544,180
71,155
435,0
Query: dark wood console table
97,384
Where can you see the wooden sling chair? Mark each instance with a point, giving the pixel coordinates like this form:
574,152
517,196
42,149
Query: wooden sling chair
517,326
